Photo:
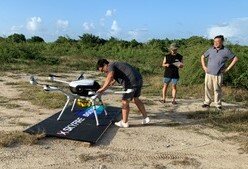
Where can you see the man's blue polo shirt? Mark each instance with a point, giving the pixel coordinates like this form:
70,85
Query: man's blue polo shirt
217,59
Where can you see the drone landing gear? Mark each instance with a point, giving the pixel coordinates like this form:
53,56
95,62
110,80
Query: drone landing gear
92,100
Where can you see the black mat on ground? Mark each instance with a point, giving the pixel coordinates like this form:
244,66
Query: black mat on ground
71,126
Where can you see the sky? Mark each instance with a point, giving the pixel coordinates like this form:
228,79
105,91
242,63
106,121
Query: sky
142,20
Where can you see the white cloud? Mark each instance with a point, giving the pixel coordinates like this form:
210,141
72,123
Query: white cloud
115,29
110,12
16,29
33,24
102,22
62,24
235,30
137,33
88,26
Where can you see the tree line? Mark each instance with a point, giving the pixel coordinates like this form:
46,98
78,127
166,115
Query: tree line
82,53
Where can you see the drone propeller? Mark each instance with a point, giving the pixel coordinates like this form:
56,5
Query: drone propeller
52,75
33,80
50,88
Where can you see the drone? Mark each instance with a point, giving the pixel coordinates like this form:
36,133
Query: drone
80,89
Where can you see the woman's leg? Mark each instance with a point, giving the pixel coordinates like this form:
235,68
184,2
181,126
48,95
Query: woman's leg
174,92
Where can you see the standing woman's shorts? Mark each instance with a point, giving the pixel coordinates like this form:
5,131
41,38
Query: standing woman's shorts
167,80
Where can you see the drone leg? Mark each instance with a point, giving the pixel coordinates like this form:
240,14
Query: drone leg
74,102
106,113
94,109
67,102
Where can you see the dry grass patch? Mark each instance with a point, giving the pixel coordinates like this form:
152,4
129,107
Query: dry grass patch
245,146
155,85
226,120
12,83
38,97
186,162
11,105
24,124
230,94
97,157
5,102
9,139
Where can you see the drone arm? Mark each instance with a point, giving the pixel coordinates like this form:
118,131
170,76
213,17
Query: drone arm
53,78
57,80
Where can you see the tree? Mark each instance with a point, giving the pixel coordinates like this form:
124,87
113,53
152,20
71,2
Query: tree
91,39
134,43
36,39
17,38
62,39
65,39
2,38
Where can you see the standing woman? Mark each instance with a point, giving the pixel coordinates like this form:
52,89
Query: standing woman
172,62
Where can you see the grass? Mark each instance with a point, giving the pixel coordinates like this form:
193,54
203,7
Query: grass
187,162
24,124
11,105
226,121
245,146
3,100
38,97
196,91
11,83
12,138
148,102
85,157
236,121
101,157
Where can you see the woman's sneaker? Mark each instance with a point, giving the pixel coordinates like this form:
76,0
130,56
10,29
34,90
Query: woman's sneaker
146,120
122,124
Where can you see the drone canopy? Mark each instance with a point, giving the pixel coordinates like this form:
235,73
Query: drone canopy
84,87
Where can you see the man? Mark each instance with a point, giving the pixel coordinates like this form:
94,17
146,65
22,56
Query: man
217,56
129,78
172,62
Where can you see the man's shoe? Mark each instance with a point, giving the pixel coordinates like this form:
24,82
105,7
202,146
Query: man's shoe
146,120
162,101
121,124
174,102
205,106
219,108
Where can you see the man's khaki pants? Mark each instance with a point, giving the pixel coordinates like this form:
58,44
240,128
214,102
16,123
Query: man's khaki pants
213,84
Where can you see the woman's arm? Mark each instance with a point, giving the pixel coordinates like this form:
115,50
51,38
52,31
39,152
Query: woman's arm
164,64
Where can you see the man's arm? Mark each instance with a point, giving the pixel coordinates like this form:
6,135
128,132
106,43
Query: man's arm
234,61
204,67
107,82
112,82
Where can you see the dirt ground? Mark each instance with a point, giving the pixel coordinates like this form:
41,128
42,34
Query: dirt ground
170,141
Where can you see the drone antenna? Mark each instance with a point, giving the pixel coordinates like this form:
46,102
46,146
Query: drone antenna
81,76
